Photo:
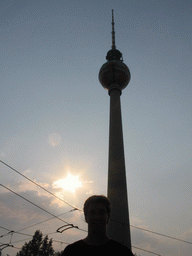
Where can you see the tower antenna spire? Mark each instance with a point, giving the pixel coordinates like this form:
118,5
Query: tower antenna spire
113,33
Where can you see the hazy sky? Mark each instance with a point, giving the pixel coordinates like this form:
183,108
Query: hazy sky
55,116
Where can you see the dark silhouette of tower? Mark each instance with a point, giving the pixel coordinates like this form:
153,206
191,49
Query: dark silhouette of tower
114,76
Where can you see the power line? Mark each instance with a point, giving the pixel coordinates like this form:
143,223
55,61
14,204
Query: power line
145,250
34,204
54,216
17,248
39,185
156,233
53,241
35,224
75,208
3,246
41,208
46,220
56,241
11,231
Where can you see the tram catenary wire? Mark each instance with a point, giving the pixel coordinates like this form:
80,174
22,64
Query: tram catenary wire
75,208
13,169
62,242
33,225
153,232
11,231
55,216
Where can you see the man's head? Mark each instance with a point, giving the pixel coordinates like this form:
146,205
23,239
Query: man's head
96,209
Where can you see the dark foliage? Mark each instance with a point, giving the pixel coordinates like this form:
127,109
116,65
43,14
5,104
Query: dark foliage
37,246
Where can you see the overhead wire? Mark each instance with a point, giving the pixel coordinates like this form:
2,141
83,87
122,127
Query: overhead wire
146,250
74,208
17,248
38,223
156,233
5,246
56,240
55,216
11,231
81,209
9,244
13,169
34,204
64,242
18,232
46,220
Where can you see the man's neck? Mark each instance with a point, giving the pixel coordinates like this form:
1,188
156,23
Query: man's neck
96,237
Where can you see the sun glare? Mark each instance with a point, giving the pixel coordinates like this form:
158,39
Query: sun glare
70,183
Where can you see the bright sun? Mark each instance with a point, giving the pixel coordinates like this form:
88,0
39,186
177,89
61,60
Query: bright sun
70,183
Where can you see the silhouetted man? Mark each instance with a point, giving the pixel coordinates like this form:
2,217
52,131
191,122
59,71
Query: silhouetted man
97,213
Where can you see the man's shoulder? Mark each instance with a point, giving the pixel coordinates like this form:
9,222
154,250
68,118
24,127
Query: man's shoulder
76,244
81,247
72,248
120,247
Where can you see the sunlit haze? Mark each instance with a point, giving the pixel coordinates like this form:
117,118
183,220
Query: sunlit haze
70,183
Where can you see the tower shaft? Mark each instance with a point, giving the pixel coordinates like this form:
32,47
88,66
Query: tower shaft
114,76
118,227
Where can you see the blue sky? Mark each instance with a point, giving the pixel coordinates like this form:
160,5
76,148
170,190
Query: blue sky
55,114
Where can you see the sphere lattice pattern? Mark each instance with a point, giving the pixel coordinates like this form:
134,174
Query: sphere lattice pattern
114,71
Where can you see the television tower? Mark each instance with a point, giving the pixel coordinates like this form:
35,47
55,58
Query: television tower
114,76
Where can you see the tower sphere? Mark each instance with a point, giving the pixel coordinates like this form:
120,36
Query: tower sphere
114,71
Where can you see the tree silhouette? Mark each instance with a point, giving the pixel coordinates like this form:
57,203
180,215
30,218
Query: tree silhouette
37,246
